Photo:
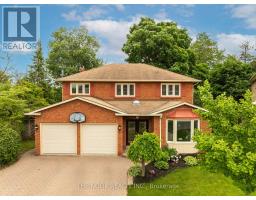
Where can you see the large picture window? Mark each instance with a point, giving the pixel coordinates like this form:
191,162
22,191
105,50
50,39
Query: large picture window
181,130
125,89
170,89
80,88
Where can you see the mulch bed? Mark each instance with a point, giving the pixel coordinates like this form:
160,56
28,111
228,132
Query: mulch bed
152,172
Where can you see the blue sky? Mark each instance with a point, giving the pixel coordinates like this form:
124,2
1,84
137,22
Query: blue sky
229,25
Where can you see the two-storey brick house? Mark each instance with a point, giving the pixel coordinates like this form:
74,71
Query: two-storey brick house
113,103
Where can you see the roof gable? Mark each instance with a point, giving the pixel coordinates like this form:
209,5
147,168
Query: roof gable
128,73
90,100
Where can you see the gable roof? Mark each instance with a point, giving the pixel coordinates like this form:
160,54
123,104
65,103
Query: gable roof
128,73
145,107
90,100
125,107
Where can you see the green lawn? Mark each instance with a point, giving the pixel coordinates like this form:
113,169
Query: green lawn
26,145
192,181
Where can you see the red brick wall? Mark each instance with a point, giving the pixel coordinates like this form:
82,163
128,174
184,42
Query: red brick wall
94,114
142,91
156,124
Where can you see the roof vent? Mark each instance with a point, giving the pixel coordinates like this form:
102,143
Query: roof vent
136,103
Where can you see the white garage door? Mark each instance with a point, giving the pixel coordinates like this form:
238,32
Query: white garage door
99,139
58,138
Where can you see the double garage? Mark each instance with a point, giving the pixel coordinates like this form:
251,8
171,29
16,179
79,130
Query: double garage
63,138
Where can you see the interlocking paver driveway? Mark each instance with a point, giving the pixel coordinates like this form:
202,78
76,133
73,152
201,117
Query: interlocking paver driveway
65,175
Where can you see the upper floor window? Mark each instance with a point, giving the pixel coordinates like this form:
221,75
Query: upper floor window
80,88
125,89
170,89
181,130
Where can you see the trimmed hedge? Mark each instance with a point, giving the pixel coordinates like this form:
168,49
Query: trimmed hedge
9,144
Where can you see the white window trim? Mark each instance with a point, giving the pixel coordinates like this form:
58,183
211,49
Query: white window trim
77,89
173,86
128,90
175,130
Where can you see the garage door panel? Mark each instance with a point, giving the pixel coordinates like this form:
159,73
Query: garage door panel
58,138
99,139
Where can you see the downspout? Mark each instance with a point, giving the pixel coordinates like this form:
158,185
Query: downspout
160,128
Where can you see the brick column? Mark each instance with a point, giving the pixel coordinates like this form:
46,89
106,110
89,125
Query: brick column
78,128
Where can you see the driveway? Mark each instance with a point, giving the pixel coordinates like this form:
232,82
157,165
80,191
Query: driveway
65,175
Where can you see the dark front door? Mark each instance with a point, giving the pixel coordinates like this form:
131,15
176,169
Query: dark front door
134,127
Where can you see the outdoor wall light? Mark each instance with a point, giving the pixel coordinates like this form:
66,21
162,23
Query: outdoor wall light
119,127
36,127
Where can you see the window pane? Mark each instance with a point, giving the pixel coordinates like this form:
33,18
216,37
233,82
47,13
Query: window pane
177,90
125,89
170,90
86,88
170,131
80,89
73,88
163,90
196,124
183,131
118,90
131,90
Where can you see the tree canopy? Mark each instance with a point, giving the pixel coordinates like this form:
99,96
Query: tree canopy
162,44
206,50
231,77
230,148
69,50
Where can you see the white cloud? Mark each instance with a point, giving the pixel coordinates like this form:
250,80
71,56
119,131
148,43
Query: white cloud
71,16
245,12
94,12
231,42
120,7
112,32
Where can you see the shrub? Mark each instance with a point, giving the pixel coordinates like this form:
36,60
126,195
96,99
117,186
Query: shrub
144,148
134,171
9,144
163,156
161,164
171,151
190,161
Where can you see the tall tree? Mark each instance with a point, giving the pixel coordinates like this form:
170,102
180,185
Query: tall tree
162,44
37,71
245,54
206,50
17,99
231,77
39,75
70,50
230,148
5,67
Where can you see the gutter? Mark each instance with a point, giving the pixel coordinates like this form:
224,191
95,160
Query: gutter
139,115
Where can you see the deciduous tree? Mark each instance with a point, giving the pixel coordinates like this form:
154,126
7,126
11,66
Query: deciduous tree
70,50
161,44
231,77
230,147
206,50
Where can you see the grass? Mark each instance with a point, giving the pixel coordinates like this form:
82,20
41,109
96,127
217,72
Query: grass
26,145
192,181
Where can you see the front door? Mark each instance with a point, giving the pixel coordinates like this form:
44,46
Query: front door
134,127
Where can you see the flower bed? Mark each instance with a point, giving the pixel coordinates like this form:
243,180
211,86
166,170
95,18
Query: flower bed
152,172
